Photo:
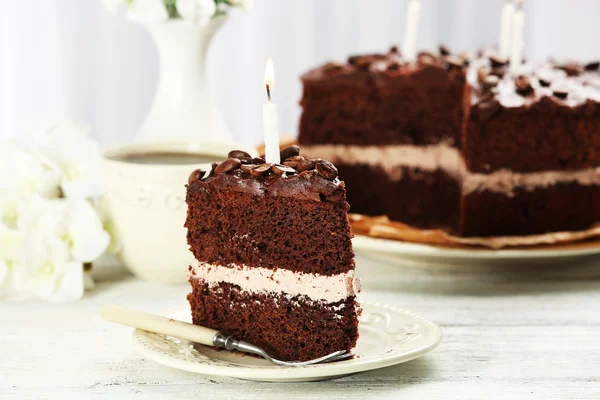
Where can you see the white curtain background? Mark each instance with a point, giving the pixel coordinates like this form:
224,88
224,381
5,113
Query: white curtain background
70,58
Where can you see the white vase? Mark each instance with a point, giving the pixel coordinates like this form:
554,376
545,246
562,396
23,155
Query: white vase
182,108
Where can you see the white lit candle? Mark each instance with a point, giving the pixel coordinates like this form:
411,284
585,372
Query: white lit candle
517,43
505,23
270,118
409,49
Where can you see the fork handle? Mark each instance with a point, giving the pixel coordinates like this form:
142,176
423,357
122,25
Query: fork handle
158,324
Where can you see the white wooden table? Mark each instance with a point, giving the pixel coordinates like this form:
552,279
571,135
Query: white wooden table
520,333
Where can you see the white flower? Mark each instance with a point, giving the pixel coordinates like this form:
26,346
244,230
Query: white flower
81,228
102,208
114,6
78,225
147,11
196,10
51,274
60,236
11,262
66,147
22,175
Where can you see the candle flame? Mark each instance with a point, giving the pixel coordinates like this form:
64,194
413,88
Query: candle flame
269,74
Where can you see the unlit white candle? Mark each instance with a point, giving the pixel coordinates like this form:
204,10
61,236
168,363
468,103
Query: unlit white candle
271,133
517,42
505,24
409,49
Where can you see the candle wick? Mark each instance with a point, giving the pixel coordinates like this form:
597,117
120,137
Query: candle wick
268,92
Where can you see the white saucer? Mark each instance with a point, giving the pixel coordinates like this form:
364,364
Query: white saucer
396,252
388,336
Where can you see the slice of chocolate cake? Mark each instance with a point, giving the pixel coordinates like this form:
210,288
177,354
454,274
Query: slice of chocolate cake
275,260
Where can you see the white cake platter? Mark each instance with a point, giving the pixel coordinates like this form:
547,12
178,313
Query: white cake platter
387,336
399,252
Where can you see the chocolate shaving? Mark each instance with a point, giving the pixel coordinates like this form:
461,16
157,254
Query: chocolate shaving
544,82
498,62
571,69
490,81
332,66
498,71
523,86
593,66
453,62
444,51
393,66
561,94
426,58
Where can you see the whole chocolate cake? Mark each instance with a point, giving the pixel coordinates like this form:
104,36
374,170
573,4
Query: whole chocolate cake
459,143
275,260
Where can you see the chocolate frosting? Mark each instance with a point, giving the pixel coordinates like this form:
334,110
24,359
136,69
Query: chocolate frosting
552,86
392,64
297,176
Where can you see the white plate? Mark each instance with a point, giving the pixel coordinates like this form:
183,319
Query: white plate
387,336
396,251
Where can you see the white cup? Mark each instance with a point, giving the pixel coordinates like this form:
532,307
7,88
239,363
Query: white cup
147,205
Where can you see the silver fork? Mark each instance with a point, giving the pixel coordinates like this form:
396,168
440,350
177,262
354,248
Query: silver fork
200,334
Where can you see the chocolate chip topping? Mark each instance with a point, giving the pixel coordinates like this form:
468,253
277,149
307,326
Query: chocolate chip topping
394,50
261,170
444,50
544,82
248,167
393,66
571,69
332,66
279,169
561,94
305,165
490,81
426,58
593,66
239,154
289,151
453,62
326,169
523,86
498,62
228,165
498,71
293,164
196,175
293,161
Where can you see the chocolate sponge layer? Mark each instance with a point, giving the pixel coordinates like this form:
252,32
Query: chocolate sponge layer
288,328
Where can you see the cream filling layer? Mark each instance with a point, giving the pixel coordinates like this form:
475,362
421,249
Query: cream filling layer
330,289
448,159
